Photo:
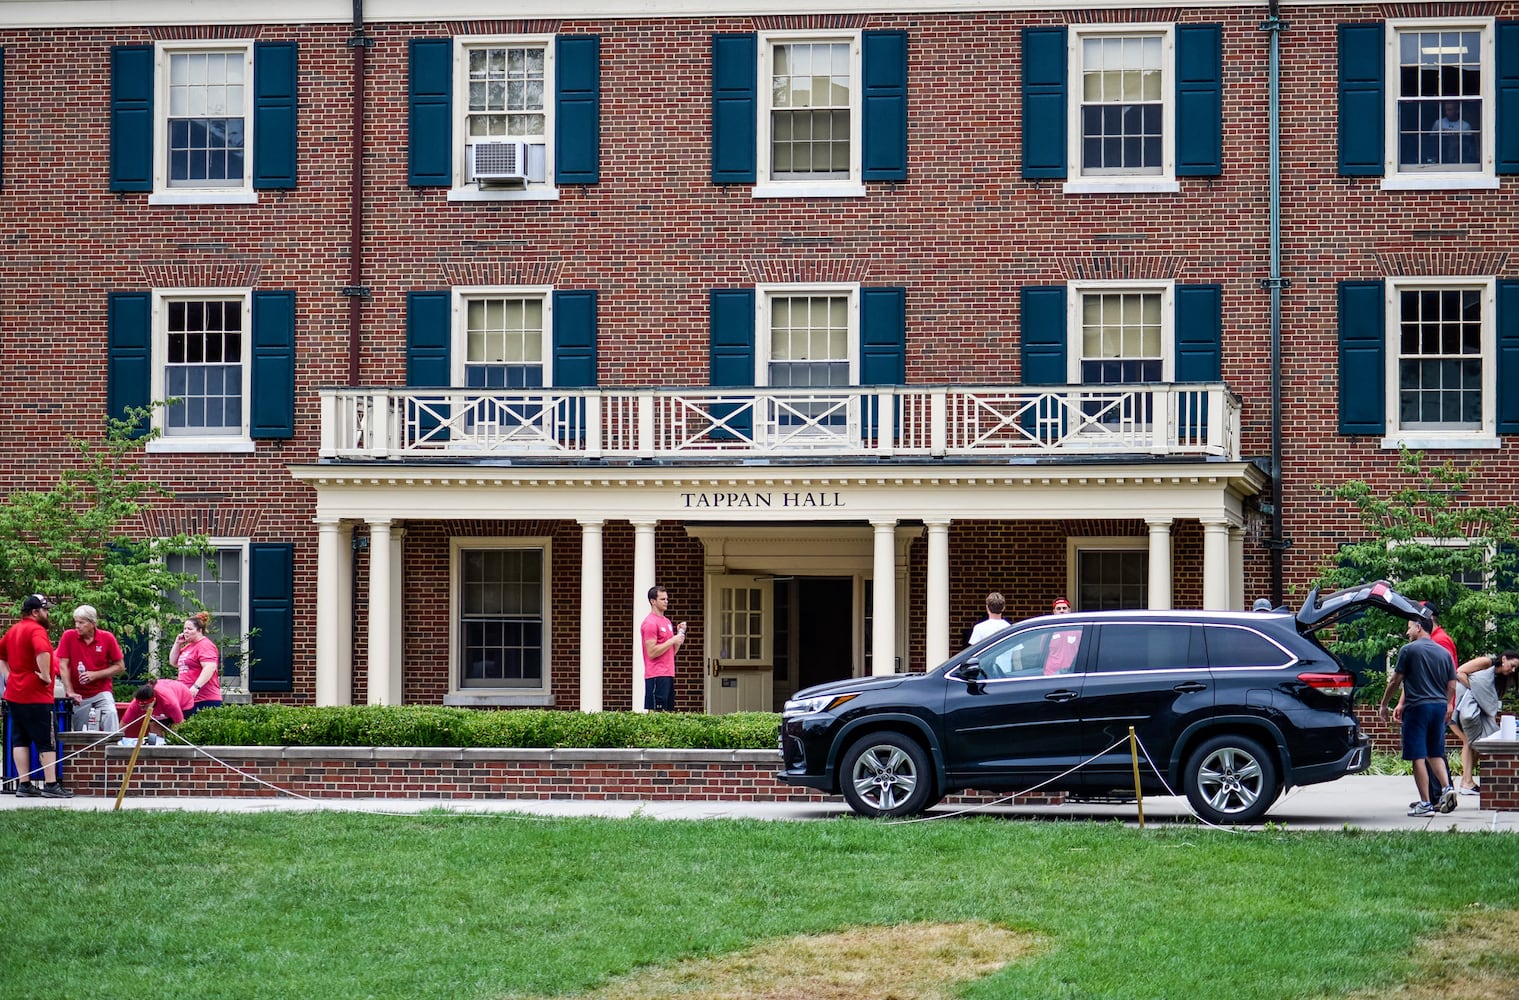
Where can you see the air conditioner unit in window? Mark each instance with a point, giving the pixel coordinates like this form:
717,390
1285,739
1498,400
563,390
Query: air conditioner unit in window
498,162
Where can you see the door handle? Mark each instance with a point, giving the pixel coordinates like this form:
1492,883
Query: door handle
1063,695
1190,687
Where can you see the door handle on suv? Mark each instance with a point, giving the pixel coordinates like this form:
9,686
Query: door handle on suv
1061,695
1190,687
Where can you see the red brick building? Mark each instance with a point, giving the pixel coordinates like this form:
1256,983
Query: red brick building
480,322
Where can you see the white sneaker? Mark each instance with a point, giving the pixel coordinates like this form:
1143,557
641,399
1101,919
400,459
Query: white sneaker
1447,799
1422,809
1473,790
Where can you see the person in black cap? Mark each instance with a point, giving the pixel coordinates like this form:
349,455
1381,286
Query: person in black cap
26,659
1425,672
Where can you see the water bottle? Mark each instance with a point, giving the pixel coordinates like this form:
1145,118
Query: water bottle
93,724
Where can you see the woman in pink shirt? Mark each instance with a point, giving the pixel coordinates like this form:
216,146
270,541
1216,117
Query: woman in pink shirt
198,662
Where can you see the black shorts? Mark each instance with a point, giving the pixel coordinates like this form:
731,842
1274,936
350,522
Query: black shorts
32,724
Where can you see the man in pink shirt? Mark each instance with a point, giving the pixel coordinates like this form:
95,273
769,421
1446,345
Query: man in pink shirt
167,700
660,641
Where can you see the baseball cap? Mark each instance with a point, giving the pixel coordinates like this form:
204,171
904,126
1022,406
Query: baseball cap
1060,602
33,602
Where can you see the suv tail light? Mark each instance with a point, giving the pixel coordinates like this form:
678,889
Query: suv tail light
1336,684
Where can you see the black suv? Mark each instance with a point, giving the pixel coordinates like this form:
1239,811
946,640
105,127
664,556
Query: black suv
1231,707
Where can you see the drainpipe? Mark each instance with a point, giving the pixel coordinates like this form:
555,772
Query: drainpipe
1277,543
356,290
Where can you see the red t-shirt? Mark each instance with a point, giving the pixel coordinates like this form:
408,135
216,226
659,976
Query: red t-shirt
97,654
23,643
173,698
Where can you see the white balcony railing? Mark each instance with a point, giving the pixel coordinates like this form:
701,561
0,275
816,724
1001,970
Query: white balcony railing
715,423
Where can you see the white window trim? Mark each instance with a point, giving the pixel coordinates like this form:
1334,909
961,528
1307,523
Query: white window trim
190,444
463,188
768,187
1074,547
1076,290
162,193
1164,182
1469,180
541,696
156,634
1484,437
764,293
459,333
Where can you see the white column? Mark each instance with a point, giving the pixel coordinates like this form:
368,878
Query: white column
329,623
1215,565
379,612
1236,568
643,579
884,599
345,616
1160,563
591,622
394,693
937,596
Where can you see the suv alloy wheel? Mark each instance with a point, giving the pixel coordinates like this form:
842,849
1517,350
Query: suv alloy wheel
886,774
1231,779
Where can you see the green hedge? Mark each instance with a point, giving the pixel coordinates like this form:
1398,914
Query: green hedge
435,726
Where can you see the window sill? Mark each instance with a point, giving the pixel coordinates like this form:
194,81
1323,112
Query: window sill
203,197
200,446
1089,185
1440,182
498,699
529,193
1423,442
780,189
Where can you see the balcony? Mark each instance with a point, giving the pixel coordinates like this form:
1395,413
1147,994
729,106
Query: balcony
711,424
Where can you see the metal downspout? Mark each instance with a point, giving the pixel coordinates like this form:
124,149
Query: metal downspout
1277,543
355,290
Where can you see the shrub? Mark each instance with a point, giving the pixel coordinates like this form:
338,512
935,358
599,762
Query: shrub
435,726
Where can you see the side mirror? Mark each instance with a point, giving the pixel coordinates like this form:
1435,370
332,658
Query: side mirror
971,670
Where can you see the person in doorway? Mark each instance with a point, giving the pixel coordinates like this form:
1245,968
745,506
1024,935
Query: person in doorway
26,659
1428,676
167,701
660,641
91,657
993,622
199,663
1483,681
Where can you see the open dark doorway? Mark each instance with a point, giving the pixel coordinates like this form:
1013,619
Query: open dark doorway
824,647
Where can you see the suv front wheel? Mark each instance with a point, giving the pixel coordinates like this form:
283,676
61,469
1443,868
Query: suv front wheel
1231,779
886,774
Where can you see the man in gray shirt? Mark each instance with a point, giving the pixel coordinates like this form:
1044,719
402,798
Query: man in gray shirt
1428,677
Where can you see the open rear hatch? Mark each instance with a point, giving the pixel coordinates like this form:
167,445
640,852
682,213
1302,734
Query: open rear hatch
1321,612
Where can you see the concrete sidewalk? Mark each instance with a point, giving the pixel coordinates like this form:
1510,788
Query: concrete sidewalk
1362,802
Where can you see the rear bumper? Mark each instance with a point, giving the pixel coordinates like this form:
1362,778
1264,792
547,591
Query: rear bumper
1353,761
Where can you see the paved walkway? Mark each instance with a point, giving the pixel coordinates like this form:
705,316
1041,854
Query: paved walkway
1363,802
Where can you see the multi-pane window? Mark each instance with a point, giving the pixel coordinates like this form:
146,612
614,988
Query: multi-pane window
509,95
741,623
1112,579
1121,337
1440,99
203,372
1122,109
811,96
503,342
1440,358
808,347
501,624
217,583
207,118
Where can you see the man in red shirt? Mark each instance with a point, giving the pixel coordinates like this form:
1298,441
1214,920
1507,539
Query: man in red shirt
91,657
26,659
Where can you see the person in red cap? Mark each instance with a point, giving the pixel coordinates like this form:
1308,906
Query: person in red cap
1063,645
1061,606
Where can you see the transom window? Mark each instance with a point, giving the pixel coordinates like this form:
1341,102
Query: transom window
1442,351
1440,99
217,581
1122,105
502,623
810,121
203,349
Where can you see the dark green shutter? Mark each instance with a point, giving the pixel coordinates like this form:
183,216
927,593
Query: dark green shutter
272,395
731,312
430,128
577,119
129,352
132,118
1363,353
1507,141
429,334
574,338
883,343
735,108
885,100
1508,357
271,613
1043,334
274,115
1199,100
1363,109
1044,118
1199,333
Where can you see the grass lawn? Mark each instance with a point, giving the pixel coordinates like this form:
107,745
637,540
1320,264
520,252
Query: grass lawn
319,905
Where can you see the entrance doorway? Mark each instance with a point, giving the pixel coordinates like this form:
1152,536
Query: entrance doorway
814,632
